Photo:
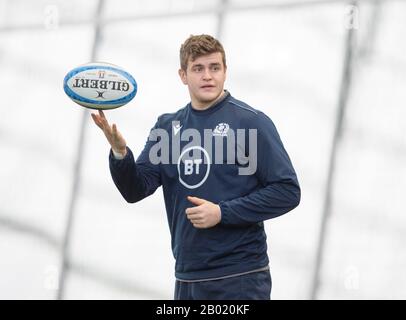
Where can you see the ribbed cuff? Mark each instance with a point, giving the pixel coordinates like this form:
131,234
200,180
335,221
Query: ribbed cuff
224,213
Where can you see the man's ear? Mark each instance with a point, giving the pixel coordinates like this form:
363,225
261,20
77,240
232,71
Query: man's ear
182,75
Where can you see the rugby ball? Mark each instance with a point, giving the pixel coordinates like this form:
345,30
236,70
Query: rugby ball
100,85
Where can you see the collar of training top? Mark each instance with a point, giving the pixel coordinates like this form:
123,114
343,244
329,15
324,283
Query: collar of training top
213,108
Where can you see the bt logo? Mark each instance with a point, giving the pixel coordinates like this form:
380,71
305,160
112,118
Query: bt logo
193,167
189,166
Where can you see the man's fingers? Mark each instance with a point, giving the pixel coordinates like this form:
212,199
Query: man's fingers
94,118
197,221
100,120
195,217
114,130
101,114
199,225
103,118
97,121
192,211
196,201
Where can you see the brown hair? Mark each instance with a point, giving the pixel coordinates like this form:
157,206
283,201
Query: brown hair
196,46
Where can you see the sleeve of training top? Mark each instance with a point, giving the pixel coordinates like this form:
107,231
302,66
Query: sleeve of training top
136,180
280,192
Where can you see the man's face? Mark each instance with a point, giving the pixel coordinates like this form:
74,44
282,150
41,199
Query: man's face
205,78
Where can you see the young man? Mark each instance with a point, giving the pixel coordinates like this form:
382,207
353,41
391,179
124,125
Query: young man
223,169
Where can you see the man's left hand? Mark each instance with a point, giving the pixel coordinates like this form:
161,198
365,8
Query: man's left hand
206,214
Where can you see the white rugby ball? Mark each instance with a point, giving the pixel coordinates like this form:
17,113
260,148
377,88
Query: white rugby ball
100,85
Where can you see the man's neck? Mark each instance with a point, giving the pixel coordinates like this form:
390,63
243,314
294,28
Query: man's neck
205,106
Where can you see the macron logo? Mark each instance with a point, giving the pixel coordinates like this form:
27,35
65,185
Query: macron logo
176,128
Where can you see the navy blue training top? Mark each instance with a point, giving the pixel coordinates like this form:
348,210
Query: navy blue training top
190,153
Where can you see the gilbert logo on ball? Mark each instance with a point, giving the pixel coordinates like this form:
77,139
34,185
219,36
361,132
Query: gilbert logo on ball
100,85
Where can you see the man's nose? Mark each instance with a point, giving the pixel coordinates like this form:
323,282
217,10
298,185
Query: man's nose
207,74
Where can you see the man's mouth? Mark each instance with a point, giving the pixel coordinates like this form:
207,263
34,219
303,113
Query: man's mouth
207,86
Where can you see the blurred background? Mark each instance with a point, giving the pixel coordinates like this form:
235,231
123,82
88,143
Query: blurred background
332,76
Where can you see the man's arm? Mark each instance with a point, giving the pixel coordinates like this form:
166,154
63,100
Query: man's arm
135,180
280,192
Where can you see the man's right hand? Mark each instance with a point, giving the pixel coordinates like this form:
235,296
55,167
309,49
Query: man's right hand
113,136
